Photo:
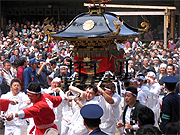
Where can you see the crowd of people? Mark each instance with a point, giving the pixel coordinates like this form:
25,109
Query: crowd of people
32,69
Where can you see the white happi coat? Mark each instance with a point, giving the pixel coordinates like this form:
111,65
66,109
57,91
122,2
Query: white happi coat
77,126
16,125
142,96
111,114
58,110
153,100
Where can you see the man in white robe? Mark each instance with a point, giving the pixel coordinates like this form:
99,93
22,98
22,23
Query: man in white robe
109,101
16,126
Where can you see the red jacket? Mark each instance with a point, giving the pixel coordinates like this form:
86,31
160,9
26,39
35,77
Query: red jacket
42,112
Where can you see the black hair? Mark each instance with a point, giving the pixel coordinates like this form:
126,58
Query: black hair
16,49
6,61
22,60
172,128
176,47
171,65
15,80
145,116
148,130
93,87
164,50
132,89
35,87
156,57
16,63
63,49
110,86
53,62
92,123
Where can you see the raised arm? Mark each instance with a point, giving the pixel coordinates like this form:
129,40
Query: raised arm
108,98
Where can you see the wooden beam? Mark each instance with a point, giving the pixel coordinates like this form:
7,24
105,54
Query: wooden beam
165,30
140,13
172,24
134,6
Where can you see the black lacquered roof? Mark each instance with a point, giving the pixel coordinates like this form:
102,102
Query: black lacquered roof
103,28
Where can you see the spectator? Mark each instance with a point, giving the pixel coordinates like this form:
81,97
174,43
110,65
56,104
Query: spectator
15,56
22,65
162,71
9,26
171,44
127,44
42,73
29,73
170,72
35,53
148,35
14,32
136,43
6,70
17,28
178,42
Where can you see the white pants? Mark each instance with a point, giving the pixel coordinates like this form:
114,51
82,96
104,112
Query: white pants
58,124
64,127
30,126
13,130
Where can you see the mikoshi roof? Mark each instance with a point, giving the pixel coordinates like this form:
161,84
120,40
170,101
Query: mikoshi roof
97,25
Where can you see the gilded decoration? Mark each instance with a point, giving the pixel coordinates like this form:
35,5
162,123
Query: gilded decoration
88,25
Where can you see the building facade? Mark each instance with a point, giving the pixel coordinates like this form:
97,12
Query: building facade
38,10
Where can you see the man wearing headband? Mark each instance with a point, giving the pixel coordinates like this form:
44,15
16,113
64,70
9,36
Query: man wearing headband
109,101
142,97
130,111
153,99
55,90
86,97
162,71
169,61
170,72
62,71
41,111
170,105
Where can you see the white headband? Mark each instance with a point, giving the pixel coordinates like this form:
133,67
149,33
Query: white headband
135,81
33,92
131,93
163,65
151,74
63,66
155,59
107,89
140,77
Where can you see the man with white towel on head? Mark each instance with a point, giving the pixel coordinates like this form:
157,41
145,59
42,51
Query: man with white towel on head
153,100
109,101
